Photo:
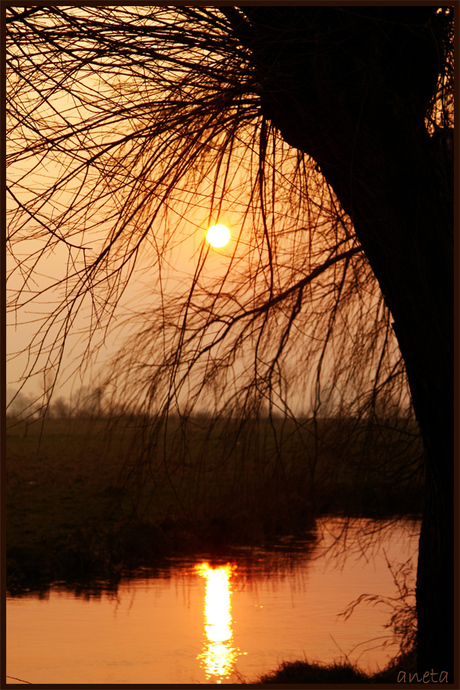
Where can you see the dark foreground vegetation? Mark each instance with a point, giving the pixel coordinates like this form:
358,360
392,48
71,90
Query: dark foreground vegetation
82,507
402,669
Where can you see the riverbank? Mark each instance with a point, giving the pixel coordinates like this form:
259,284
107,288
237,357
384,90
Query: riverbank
89,499
312,673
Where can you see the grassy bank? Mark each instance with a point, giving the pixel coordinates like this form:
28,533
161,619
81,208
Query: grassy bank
87,499
312,673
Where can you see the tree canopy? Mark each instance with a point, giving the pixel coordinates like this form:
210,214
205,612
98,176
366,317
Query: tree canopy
126,141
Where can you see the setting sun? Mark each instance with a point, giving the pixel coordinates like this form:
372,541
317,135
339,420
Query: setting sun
218,235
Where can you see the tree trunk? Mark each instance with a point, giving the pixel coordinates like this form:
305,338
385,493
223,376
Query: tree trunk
350,86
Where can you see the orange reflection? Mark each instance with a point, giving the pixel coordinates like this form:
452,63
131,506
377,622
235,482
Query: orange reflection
218,656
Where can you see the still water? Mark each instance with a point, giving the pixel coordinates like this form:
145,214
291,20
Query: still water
198,621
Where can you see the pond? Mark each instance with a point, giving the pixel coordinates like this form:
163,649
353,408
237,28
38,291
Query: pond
203,621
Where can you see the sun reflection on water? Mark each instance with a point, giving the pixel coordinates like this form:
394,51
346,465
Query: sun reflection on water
218,655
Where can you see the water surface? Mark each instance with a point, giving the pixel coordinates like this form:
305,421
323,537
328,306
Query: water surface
198,621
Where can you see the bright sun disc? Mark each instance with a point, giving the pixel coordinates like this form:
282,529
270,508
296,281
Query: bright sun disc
218,235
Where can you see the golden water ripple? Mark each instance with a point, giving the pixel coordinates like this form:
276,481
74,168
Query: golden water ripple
219,655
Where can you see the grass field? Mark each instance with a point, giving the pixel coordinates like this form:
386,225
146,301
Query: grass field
87,499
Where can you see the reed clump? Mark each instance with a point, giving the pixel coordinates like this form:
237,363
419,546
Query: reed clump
313,673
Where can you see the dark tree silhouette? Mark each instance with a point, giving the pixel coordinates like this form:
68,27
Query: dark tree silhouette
351,87
329,130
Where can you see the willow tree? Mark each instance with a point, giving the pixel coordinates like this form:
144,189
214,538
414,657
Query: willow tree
327,131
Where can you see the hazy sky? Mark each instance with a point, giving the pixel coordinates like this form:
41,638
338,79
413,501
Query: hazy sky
179,262
178,268
298,227
179,240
